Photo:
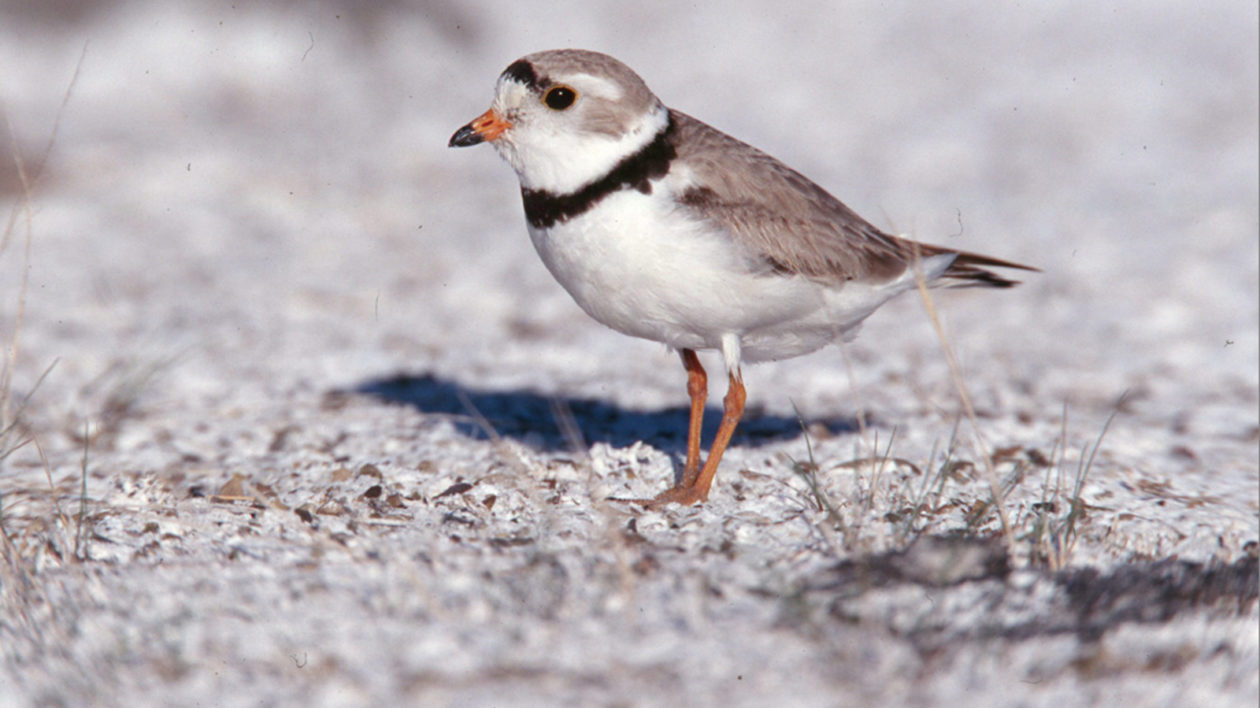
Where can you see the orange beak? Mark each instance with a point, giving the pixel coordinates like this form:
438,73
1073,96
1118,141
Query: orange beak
487,126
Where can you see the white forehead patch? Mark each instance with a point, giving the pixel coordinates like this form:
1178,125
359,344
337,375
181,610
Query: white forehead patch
509,94
598,86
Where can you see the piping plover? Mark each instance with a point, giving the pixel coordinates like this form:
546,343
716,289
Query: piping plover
665,228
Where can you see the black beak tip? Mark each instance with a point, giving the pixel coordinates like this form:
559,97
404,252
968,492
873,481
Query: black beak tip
465,137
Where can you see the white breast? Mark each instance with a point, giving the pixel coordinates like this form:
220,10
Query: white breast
642,267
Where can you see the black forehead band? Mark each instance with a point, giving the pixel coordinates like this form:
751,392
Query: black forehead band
522,72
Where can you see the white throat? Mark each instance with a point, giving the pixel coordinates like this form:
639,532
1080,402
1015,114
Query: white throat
565,159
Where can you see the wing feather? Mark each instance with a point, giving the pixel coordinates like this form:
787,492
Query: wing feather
794,225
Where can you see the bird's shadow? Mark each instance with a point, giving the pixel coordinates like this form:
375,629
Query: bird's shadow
556,423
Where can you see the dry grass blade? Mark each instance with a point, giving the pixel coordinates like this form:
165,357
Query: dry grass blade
935,483
80,538
568,426
1066,532
879,470
1040,534
24,209
16,567
809,473
1054,540
853,387
474,413
30,179
965,398
10,424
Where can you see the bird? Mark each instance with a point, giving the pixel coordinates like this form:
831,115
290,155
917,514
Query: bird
664,228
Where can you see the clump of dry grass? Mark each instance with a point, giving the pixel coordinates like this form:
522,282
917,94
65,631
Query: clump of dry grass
893,501
46,530
1053,538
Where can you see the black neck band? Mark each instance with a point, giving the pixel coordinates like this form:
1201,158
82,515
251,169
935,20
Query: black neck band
544,209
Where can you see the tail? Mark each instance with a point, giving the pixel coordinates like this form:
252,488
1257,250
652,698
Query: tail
971,270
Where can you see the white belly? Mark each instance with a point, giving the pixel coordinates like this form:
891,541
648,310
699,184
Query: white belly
645,270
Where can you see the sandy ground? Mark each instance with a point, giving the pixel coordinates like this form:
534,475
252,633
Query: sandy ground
293,415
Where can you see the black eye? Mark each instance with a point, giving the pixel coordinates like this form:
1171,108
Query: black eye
559,98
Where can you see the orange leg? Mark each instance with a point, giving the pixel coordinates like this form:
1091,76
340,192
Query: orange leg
698,490
698,389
